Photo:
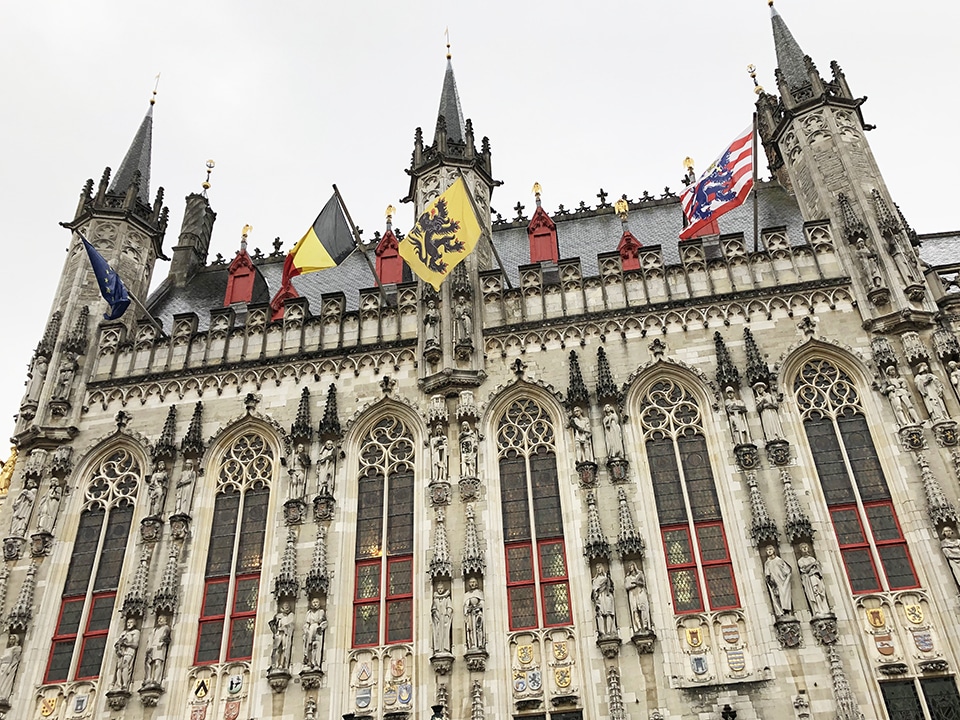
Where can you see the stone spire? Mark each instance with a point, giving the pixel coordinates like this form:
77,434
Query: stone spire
135,603
318,579
192,445
790,58
166,445
301,428
727,373
853,227
167,595
595,546
477,711
50,334
286,584
615,694
762,528
330,424
757,370
76,341
22,612
889,225
135,167
450,109
847,707
629,541
473,559
797,526
607,391
440,565
577,391
939,508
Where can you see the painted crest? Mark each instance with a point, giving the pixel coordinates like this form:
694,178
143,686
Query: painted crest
397,667
534,680
519,682
48,705
914,613
561,651
876,617
198,712
234,684
80,703
694,637
736,660
699,664
232,711
525,654
390,695
884,643
731,633
201,688
923,639
364,696
562,677
364,673
405,693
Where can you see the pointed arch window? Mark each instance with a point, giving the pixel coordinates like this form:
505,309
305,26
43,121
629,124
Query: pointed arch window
383,584
538,587
875,553
90,591
688,507
235,553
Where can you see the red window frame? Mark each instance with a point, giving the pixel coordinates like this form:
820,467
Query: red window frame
553,580
673,567
513,585
726,561
898,541
394,599
59,638
242,615
366,601
89,634
210,619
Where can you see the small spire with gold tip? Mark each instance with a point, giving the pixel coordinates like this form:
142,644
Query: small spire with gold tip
206,183
389,212
536,192
621,207
247,229
752,71
690,177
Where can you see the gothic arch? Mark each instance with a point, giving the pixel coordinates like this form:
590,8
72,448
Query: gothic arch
691,378
228,434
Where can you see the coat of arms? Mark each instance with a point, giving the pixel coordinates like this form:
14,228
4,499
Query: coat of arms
234,684
560,650
731,633
914,613
80,703
198,712
48,705
405,693
736,660
525,654
923,639
397,667
876,617
884,643
694,637
519,682
232,711
699,664
201,688
562,677
364,673
364,696
534,680
390,695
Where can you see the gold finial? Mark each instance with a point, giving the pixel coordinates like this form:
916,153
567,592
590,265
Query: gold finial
621,207
770,3
690,177
536,190
156,84
206,183
447,33
688,163
752,71
247,229
6,473
390,211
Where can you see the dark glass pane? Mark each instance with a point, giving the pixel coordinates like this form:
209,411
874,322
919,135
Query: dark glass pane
846,523
60,656
366,624
883,523
828,458
513,498
91,657
400,515
699,478
220,554
400,578
241,638
368,581
901,700
863,457
399,620
523,608
519,564
721,590
552,562
101,613
942,698
547,516
245,599
84,552
860,570
686,590
253,527
556,604
574,715
668,492
676,545
208,644
897,566
711,542
369,516
70,617
114,545
215,600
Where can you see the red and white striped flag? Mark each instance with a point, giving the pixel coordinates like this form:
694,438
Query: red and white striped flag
722,187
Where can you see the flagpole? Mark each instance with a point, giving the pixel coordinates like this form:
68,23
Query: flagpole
476,211
756,209
356,239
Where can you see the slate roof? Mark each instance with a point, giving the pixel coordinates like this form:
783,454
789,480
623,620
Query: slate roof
940,248
137,160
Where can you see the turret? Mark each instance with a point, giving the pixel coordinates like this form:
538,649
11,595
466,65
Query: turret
190,252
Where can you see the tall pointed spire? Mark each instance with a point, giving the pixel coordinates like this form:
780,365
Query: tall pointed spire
790,58
136,163
450,109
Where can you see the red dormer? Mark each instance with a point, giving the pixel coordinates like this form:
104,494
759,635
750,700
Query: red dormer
389,262
240,278
629,249
542,233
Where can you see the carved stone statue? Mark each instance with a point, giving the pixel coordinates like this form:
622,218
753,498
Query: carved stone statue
282,628
438,454
126,651
931,390
897,392
9,664
155,658
769,408
314,631
950,547
869,264
65,373
476,638
811,578
636,585
49,508
157,489
441,616
954,367
38,372
737,415
778,572
22,507
327,466
906,265
462,323
468,450
299,461
582,436
431,324
612,433
602,596
186,485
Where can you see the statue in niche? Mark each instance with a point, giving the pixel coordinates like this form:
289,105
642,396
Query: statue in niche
282,628
438,453
897,392
954,367
22,507
299,461
769,408
462,322
612,434
931,390
811,578
49,508
126,651
157,489
327,466
186,485
468,450
37,374
737,415
476,638
155,658
636,585
950,547
314,631
869,263
431,324
441,616
602,596
68,368
778,572
9,664
582,436
907,266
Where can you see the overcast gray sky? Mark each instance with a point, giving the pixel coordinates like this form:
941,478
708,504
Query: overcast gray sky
289,97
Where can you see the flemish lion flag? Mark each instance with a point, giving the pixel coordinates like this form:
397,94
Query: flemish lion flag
444,235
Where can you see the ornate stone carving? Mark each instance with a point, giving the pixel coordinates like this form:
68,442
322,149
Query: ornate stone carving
897,392
595,545
931,391
913,348
302,429
629,541
768,405
763,529
736,416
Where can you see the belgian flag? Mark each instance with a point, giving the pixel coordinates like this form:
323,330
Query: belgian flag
326,244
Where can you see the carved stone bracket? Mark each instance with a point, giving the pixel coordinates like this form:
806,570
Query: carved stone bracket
151,528
644,641
60,408
933,666
278,679
179,526
609,645
911,437
150,694
778,452
893,669
310,678
432,352
294,511
914,292
469,489
825,629
12,547
587,473
476,660
747,456
618,467
117,699
788,632
879,296
40,544
464,349
323,505
442,663
439,493
946,433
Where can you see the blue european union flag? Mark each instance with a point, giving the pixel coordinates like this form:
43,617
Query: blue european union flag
111,286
